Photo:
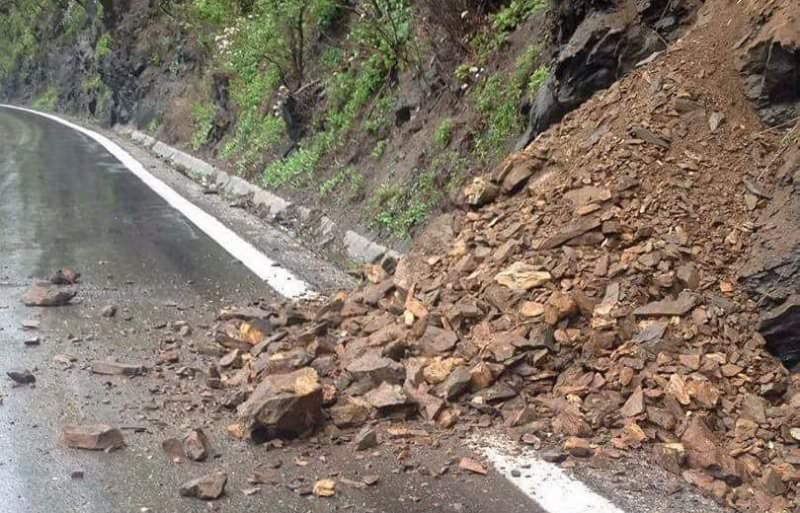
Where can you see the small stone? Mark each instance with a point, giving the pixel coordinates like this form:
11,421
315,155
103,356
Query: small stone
208,487
48,296
195,445
773,483
470,465
554,456
108,311
93,437
634,405
522,276
23,377
64,276
515,473
531,309
114,368
578,447
457,383
31,324
366,439
325,488
680,306
76,474
371,479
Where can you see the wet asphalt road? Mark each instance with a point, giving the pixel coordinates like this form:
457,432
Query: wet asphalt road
65,202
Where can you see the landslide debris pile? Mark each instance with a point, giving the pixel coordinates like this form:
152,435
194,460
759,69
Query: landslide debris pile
588,297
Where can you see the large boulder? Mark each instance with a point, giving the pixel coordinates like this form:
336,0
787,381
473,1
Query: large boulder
283,405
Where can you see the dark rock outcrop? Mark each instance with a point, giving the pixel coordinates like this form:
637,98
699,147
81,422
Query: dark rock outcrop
599,41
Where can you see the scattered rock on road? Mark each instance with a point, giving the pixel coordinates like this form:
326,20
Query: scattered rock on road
64,276
23,377
470,465
283,405
208,487
108,311
195,445
114,368
48,296
93,437
325,488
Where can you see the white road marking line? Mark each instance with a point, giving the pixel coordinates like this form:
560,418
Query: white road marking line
546,483
280,279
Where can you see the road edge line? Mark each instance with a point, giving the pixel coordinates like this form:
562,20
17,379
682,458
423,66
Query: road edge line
280,279
545,483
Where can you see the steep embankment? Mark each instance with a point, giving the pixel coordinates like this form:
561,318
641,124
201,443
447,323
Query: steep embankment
374,112
590,297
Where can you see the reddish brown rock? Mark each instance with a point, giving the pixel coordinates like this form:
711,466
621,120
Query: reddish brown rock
93,437
208,487
283,405
48,296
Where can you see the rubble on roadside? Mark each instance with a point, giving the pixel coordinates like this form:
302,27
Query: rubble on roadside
588,295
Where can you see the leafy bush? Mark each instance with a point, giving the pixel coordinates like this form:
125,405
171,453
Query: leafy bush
400,208
537,79
47,99
443,133
202,119
379,149
517,11
103,46
349,178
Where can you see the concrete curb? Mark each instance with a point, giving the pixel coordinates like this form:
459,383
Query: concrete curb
312,227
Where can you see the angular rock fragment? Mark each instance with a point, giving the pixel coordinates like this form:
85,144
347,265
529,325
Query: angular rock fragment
387,396
680,306
325,488
114,368
456,383
283,405
366,439
578,447
480,192
94,437
522,276
48,296
472,466
376,369
195,445
569,232
208,487
64,276
353,413
23,377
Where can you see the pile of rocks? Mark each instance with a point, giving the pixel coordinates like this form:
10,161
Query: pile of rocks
588,295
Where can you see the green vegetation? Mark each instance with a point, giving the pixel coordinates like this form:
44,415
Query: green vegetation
491,39
348,181
399,208
103,46
379,149
343,65
443,133
517,11
498,100
202,119
47,99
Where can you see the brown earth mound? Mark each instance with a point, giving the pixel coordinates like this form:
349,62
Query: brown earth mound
591,293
